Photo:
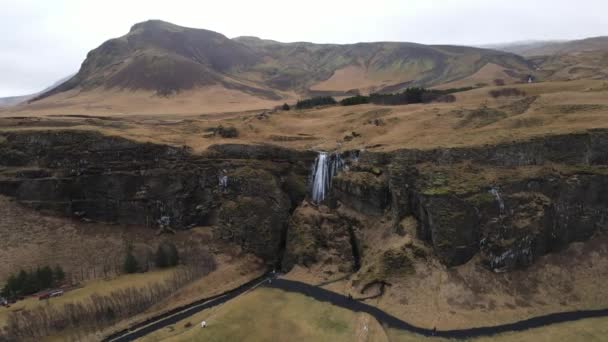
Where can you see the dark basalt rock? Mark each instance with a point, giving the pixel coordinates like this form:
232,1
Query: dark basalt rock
363,191
248,193
110,179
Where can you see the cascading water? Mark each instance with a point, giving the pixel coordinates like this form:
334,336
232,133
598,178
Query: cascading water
501,203
324,169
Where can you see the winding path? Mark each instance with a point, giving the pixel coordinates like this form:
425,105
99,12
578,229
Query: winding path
339,300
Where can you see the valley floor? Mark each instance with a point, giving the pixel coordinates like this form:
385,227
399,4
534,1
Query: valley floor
274,315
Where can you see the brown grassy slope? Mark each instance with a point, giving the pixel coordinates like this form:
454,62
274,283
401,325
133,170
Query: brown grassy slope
474,119
30,239
117,102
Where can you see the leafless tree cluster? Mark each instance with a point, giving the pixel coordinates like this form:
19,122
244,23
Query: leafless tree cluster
100,311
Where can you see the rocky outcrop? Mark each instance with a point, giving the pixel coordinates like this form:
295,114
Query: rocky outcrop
362,191
321,236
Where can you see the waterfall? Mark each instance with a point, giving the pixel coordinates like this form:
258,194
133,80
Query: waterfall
501,203
223,181
324,169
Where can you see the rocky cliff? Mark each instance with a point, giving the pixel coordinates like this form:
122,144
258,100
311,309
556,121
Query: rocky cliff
246,199
508,203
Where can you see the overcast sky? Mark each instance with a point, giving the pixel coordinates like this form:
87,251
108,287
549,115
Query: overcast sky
42,41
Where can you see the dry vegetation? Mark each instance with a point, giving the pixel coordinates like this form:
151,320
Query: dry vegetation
100,309
476,118
92,255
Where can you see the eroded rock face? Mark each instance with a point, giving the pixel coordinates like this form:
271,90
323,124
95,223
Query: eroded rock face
362,191
95,177
320,236
509,203
511,219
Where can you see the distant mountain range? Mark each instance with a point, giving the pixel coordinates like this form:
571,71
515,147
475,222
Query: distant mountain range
160,59
15,100
165,58
552,47
564,60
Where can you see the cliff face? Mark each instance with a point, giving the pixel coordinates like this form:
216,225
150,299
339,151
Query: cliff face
511,202
508,204
94,177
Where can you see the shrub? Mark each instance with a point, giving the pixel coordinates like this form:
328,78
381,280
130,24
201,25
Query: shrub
58,274
316,101
25,283
448,98
355,100
409,96
166,255
227,132
506,92
130,264
285,107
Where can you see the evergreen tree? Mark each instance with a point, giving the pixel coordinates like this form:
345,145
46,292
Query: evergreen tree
161,257
172,255
316,101
22,283
11,287
44,277
286,107
166,255
130,264
58,275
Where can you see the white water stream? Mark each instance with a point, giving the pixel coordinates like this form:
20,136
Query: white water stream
326,166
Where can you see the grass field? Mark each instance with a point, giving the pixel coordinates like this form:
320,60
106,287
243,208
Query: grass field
475,118
100,287
274,315
589,330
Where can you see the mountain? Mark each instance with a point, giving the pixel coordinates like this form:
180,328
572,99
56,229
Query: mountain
381,66
167,59
15,100
565,60
524,48
162,57
545,48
